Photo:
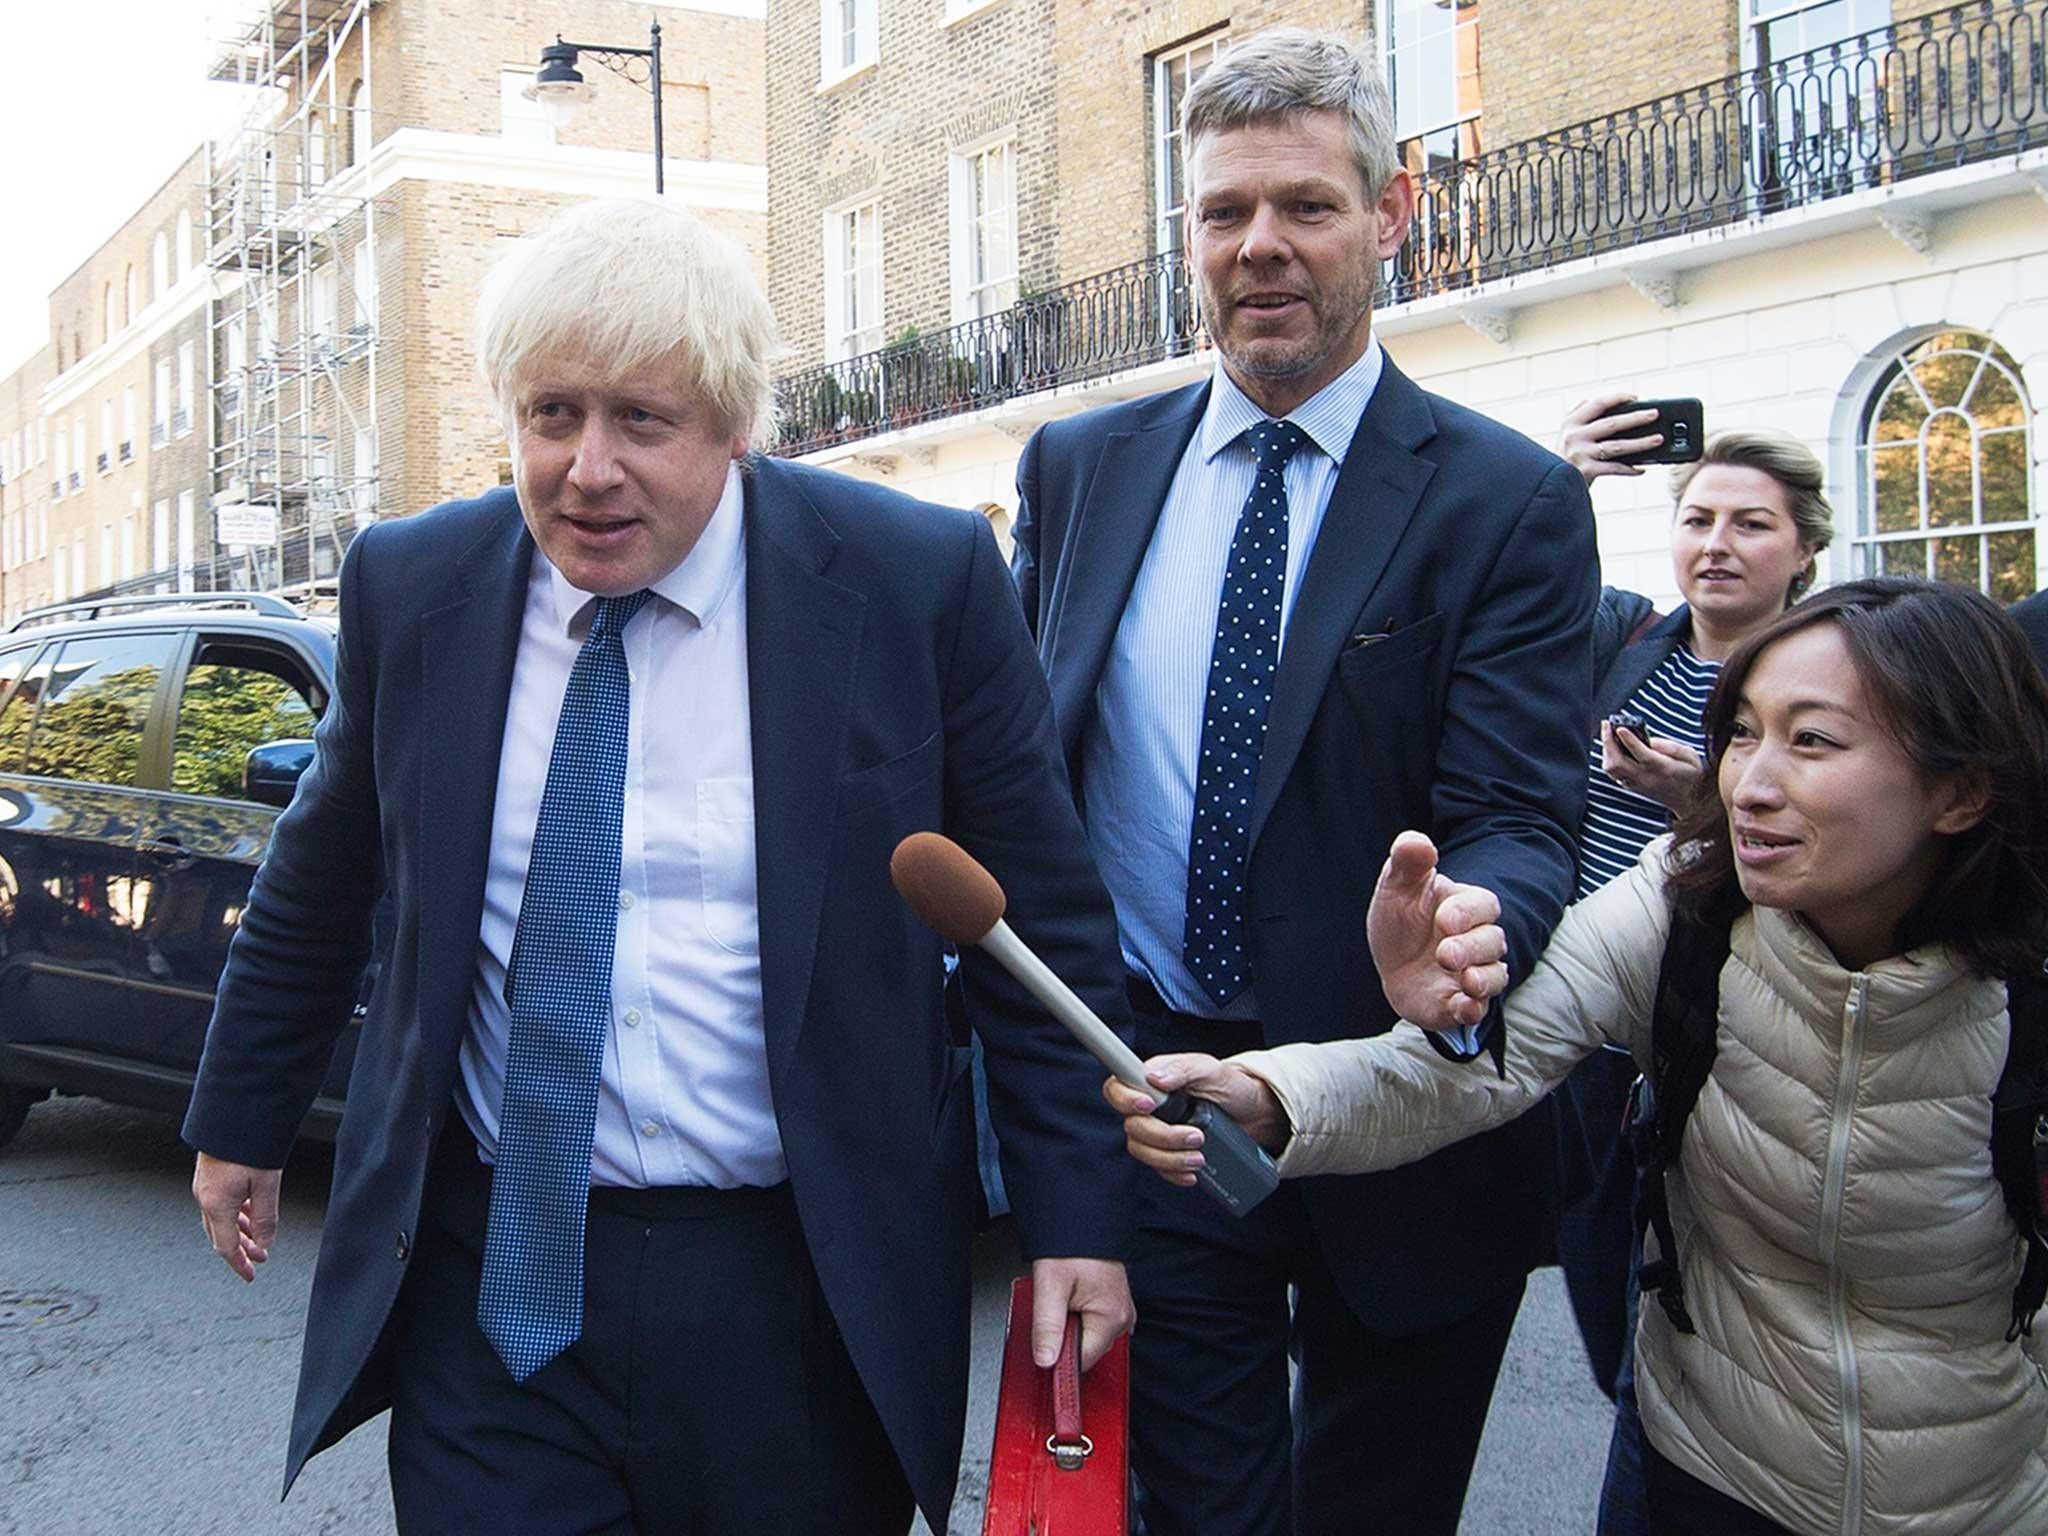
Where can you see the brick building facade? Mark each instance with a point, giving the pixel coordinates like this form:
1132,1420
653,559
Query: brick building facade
323,266
1801,212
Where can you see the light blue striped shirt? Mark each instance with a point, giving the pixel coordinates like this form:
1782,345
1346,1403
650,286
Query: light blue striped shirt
1138,758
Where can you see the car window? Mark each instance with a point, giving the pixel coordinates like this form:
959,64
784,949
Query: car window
20,712
235,698
95,707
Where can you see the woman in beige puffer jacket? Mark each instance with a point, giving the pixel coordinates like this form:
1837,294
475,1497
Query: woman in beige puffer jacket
1848,1260
1879,804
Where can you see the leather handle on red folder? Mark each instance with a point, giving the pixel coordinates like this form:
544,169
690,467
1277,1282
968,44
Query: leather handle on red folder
1069,1447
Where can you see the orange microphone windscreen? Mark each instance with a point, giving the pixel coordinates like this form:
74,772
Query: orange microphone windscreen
946,887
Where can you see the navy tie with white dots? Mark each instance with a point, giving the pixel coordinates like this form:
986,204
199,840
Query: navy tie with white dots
1241,669
558,984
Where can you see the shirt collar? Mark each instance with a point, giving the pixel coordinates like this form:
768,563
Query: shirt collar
699,585
1330,416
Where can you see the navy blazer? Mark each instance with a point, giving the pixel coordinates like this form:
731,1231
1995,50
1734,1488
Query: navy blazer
1437,675
893,689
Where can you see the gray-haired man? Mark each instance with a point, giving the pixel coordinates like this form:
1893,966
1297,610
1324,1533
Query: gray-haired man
1433,575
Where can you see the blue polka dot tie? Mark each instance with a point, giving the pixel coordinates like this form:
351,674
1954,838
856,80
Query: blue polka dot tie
559,987
1241,669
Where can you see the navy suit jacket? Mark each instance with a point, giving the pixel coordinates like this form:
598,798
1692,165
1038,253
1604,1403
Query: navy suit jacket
1437,675
893,689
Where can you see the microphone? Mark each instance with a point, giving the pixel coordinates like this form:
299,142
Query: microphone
958,899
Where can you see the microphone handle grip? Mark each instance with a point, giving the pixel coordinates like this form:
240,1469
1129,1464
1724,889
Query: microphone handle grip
1236,1171
1059,1000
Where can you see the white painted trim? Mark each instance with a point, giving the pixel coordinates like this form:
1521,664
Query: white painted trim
859,71
573,170
188,296
1920,197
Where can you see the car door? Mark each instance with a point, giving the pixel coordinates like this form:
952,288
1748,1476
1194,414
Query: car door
73,748
203,836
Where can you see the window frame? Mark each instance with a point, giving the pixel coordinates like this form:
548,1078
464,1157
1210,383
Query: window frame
1168,201
149,760
966,223
1865,539
1461,121
840,336
193,654
864,37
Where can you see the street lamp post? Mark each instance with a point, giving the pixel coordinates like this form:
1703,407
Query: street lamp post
560,87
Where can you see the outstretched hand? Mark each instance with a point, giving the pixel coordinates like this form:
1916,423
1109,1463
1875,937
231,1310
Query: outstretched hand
1438,945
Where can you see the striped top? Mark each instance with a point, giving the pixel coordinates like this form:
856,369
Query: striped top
1620,823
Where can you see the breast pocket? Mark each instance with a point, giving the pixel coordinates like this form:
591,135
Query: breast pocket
1379,653
725,864
880,783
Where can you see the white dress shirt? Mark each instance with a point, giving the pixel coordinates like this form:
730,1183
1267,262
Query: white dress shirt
1139,755
684,1095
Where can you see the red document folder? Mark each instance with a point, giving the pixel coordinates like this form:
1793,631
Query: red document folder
1061,1462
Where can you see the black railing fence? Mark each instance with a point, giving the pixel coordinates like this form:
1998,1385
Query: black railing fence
1944,90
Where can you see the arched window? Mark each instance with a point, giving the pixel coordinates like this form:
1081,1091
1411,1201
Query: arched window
106,313
356,126
186,256
316,149
1947,468
159,266
128,305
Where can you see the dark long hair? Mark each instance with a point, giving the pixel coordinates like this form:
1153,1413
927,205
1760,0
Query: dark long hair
1953,681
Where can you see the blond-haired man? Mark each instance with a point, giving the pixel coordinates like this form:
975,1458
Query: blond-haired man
652,1199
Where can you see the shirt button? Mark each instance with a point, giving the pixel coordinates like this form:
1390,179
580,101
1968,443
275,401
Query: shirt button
404,1247
625,901
649,1128
632,1018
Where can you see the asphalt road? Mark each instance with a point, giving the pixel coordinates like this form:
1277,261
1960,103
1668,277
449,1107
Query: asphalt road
144,1391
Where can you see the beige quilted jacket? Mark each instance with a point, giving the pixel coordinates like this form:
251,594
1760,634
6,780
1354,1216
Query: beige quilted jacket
1848,1259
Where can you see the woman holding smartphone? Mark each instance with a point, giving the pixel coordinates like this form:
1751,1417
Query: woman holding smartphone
1748,520
1876,815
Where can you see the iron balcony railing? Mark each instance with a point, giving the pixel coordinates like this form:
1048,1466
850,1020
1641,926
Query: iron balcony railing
1963,85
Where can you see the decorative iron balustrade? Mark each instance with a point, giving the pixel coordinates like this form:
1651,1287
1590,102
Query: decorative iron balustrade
1905,100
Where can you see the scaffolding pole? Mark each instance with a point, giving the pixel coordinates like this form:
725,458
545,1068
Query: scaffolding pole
292,238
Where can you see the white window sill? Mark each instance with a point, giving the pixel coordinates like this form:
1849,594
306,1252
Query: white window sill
859,71
955,14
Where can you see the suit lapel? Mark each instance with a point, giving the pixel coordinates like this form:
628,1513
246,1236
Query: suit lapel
1104,551
803,644
467,650
1374,499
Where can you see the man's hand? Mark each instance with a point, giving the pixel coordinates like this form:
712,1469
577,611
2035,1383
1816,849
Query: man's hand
238,1206
1095,1288
1666,771
1174,1151
1592,442
1438,945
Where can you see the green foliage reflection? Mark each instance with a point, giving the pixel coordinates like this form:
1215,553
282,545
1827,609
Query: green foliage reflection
225,712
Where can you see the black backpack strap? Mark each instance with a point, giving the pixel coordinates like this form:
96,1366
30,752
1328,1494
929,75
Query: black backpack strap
1682,1045
2019,1140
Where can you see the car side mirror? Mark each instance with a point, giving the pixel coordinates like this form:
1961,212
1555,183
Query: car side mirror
271,772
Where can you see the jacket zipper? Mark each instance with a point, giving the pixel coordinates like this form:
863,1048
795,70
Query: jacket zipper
1848,1375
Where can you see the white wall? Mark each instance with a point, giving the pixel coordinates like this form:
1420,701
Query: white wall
1791,337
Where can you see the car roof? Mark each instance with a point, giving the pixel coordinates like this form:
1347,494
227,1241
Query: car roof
234,613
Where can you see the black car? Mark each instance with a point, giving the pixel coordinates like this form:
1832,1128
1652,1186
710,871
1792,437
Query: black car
147,745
